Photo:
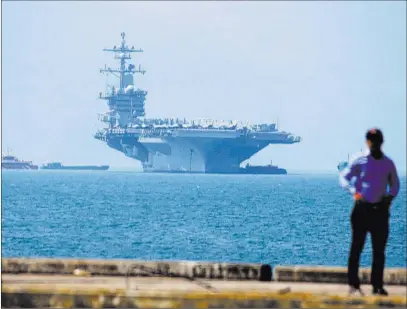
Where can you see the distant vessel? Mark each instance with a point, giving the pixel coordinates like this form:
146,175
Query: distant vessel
172,145
59,166
343,164
10,162
263,169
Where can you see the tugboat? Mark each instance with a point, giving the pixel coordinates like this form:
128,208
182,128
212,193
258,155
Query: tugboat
10,162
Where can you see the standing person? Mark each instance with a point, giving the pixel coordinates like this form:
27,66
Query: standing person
367,179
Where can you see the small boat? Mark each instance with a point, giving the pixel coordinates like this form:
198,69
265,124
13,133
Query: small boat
344,164
10,162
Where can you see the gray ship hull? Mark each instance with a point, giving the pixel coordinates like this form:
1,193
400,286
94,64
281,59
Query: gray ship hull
193,154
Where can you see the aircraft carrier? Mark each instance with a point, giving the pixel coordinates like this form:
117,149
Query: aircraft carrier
176,145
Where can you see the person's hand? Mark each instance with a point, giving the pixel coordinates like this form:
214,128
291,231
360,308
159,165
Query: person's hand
357,196
387,200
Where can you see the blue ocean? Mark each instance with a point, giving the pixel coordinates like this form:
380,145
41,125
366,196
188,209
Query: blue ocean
293,219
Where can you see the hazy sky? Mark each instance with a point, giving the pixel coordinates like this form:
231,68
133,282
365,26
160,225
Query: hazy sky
327,70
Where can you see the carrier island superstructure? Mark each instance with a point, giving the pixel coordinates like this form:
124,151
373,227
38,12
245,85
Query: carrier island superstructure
175,145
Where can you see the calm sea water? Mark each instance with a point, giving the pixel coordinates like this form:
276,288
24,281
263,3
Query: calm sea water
294,219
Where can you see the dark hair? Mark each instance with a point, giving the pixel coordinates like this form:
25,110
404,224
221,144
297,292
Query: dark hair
375,136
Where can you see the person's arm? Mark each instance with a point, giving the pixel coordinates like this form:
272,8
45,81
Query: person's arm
394,184
394,181
346,176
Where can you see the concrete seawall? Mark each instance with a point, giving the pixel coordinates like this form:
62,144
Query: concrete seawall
228,271
68,283
208,270
323,274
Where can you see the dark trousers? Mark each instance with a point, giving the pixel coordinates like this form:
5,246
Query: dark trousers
372,218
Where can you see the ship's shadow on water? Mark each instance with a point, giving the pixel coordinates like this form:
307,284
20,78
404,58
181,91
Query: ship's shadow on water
293,219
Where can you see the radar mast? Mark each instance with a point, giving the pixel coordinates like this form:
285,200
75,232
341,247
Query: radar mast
125,103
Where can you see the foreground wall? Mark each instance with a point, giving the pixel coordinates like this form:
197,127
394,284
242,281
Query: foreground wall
79,283
209,270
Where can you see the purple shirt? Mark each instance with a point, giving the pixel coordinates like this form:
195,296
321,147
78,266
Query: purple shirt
371,178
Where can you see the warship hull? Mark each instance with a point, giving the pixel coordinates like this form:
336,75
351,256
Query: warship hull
196,154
